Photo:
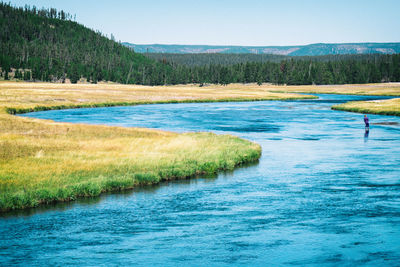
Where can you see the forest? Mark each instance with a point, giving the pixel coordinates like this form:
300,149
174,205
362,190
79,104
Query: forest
381,68
201,59
48,45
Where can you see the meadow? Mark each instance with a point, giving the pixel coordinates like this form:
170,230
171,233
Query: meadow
382,107
378,89
21,97
43,161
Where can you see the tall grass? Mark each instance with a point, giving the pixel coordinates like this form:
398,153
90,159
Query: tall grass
381,107
381,89
48,162
43,161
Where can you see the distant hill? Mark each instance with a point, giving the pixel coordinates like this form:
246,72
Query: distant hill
300,50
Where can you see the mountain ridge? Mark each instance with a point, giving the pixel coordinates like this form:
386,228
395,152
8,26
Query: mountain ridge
317,49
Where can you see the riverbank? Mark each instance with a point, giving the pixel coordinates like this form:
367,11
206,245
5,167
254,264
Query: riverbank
22,97
317,168
376,89
381,107
44,161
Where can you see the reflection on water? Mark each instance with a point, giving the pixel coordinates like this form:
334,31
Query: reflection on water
366,134
321,194
59,206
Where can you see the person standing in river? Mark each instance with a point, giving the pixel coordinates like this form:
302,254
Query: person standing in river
366,121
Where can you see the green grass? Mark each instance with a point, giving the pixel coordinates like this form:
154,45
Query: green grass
33,174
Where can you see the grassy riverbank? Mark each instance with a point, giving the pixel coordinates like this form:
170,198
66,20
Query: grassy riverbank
382,107
43,161
379,89
23,97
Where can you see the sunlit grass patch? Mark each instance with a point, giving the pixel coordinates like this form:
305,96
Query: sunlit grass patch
381,89
382,107
86,160
43,161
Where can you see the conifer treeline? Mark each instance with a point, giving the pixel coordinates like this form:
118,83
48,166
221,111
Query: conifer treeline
53,47
47,45
202,59
309,70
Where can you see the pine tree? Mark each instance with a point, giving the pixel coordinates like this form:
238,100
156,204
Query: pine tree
27,75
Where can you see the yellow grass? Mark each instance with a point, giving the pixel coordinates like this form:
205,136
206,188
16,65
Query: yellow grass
388,89
386,107
29,95
43,161
383,107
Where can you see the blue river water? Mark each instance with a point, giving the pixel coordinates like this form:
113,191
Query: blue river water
323,193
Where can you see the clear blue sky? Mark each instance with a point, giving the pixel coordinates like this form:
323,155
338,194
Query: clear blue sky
234,22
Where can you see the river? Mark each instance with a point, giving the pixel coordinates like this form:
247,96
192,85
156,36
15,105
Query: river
323,193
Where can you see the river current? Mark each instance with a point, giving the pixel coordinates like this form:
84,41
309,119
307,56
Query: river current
323,193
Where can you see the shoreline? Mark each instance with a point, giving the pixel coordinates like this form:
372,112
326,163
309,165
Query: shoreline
88,159
15,111
388,107
227,153
43,162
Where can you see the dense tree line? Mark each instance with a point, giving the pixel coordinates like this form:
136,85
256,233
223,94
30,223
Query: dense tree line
243,68
202,59
53,47
47,45
379,68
